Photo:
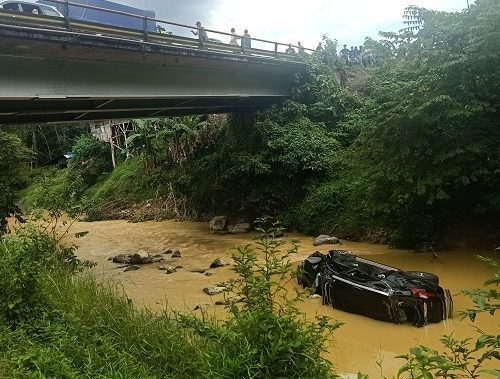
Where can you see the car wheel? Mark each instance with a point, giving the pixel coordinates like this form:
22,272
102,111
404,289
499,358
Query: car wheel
421,275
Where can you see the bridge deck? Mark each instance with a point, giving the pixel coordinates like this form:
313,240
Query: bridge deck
49,73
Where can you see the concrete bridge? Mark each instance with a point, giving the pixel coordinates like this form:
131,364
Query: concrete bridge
50,72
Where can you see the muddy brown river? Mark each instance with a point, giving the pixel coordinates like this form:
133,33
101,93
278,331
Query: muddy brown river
356,346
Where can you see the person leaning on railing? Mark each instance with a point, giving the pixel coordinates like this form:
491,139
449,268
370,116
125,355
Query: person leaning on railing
201,33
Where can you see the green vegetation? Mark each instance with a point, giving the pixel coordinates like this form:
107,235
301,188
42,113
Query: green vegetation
401,152
405,152
13,156
56,324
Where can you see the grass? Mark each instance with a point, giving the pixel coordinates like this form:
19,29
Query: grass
91,330
47,183
126,182
69,324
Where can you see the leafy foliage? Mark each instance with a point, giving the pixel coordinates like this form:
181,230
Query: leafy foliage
13,157
25,258
91,159
47,142
427,150
171,140
271,336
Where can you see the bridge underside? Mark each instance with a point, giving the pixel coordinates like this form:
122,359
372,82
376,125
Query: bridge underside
53,76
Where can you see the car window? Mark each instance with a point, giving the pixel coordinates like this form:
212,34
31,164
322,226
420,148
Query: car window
11,6
49,11
30,8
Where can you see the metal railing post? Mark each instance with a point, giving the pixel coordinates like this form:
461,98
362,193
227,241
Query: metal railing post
66,14
145,28
276,49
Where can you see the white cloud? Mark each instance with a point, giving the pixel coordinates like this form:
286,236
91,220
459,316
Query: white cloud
298,20
348,21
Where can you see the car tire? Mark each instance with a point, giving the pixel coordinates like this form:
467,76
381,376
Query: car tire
421,275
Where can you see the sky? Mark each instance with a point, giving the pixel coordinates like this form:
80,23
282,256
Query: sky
347,21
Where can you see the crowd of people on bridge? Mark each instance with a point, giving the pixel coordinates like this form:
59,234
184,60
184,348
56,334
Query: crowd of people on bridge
353,56
201,33
357,56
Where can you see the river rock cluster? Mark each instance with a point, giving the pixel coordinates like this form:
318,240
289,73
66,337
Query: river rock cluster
222,224
141,257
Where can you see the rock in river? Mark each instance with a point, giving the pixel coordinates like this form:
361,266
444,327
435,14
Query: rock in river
218,223
239,227
325,239
219,262
214,290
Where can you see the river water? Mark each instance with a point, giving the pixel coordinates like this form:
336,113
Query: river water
356,346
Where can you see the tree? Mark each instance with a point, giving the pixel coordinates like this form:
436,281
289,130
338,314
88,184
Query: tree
13,158
91,159
428,149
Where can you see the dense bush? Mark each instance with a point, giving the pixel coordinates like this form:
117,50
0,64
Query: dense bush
91,158
13,157
25,260
432,150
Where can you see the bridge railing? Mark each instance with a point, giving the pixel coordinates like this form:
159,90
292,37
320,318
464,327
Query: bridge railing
272,48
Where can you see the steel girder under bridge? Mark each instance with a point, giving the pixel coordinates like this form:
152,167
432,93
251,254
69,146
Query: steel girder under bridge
51,75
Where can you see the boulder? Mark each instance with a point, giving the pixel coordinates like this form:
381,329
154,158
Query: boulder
122,258
221,302
325,239
240,227
171,269
218,223
168,251
140,257
177,254
219,262
214,290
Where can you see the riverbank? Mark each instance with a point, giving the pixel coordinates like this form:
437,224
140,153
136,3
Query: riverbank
357,345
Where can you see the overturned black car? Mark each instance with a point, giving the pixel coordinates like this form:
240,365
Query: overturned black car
382,292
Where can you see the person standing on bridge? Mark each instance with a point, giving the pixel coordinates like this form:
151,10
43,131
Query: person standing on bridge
301,48
234,38
290,49
246,41
201,33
